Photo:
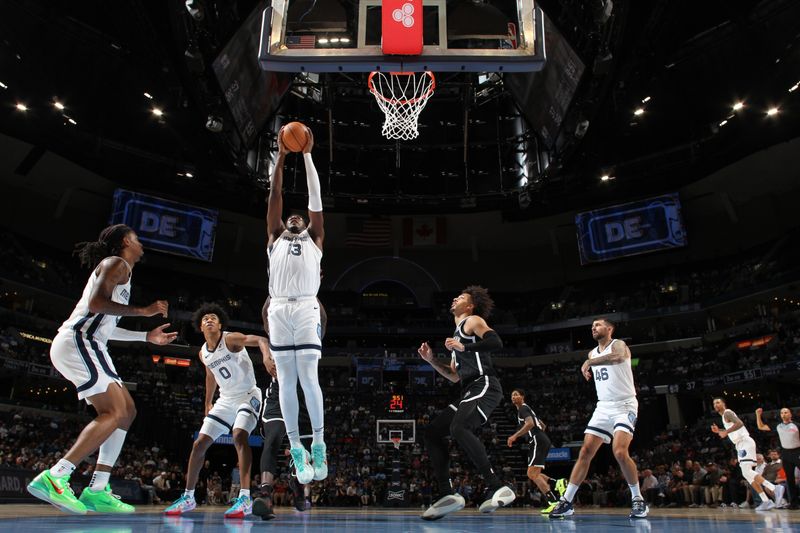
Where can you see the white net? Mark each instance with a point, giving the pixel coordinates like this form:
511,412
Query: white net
402,97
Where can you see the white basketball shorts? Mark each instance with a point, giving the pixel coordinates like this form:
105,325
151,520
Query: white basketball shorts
83,361
610,417
295,327
228,414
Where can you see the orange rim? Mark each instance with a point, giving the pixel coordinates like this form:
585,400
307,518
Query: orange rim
425,96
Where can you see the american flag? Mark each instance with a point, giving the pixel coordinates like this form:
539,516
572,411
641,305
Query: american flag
301,41
373,231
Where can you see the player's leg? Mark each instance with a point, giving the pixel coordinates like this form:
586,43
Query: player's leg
97,496
217,422
273,432
591,443
308,349
537,455
247,410
445,500
620,447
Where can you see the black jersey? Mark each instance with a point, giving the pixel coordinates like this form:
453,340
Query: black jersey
470,365
524,412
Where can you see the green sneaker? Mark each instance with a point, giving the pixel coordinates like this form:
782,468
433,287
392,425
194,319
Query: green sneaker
56,490
104,501
561,486
549,508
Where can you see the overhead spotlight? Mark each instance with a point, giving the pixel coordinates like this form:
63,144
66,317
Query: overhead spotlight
344,40
3,85
335,40
195,9
723,122
772,111
214,124
322,40
148,96
157,112
72,121
639,111
645,99
792,89
738,105
58,105
21,107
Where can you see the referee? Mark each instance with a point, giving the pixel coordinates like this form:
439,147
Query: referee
789,435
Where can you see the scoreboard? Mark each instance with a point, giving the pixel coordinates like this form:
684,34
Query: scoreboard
397,403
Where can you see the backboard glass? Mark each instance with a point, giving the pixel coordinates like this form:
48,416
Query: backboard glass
345,36
385,430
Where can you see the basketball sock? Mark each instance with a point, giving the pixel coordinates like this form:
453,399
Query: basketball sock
266,490
551,496
189,494
763,496
767,485
287,381
308,375
62,468
635,492
99,480
244,492
569,495
109,450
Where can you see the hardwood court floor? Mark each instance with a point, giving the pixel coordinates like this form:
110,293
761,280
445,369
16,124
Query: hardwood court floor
33,518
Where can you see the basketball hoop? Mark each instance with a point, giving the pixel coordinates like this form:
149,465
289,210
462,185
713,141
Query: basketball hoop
402,97
396,442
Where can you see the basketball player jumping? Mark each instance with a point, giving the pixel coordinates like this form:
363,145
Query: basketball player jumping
80,354
228,366
295,253
745,454
614,417
273,429
532,428
481,393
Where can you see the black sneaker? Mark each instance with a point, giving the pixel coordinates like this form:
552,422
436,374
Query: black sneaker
263,507
639,508
564,508
297,493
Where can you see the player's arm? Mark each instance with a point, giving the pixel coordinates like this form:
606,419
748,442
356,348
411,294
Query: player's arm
316,222
445,370
211,388
113,272
236,341
275,224
154,336
760,422
526,427
619,353
489,341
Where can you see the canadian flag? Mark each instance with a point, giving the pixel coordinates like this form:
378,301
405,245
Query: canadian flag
401,27
424,231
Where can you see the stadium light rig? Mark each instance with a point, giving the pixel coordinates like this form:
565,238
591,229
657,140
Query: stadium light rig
21,107
772,111
738,105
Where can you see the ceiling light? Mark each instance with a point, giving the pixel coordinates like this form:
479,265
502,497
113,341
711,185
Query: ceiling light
723,122
738,105
639,111
21,107
772,111
157,112
72,121
148,96
335,40
645,99
322,40
344,39
58,105
189,175
3,85
792,89
606,177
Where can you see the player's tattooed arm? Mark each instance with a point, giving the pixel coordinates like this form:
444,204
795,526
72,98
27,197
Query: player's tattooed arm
445,370
619,353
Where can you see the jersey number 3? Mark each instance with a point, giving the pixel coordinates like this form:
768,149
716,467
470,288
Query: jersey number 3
295,249
601,374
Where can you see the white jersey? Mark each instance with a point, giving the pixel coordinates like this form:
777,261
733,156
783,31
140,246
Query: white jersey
232,370
614,383
737,435
97,327
294,266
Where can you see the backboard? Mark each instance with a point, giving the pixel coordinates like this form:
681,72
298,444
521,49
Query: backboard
385,430
345,36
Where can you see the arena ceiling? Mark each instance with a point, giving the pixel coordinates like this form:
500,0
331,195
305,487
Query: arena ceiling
683,64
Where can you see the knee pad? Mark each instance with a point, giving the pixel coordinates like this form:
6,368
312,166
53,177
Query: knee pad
748,471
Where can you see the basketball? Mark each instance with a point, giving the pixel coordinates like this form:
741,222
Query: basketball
295,136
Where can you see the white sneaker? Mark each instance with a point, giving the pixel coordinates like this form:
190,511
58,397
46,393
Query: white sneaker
443,506
781,504
766,505
780,490
499,498
744,505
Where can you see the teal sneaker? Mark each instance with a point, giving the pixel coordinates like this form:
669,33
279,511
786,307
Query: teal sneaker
242,506
319,461
184,504
56,490
302,465
104,501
